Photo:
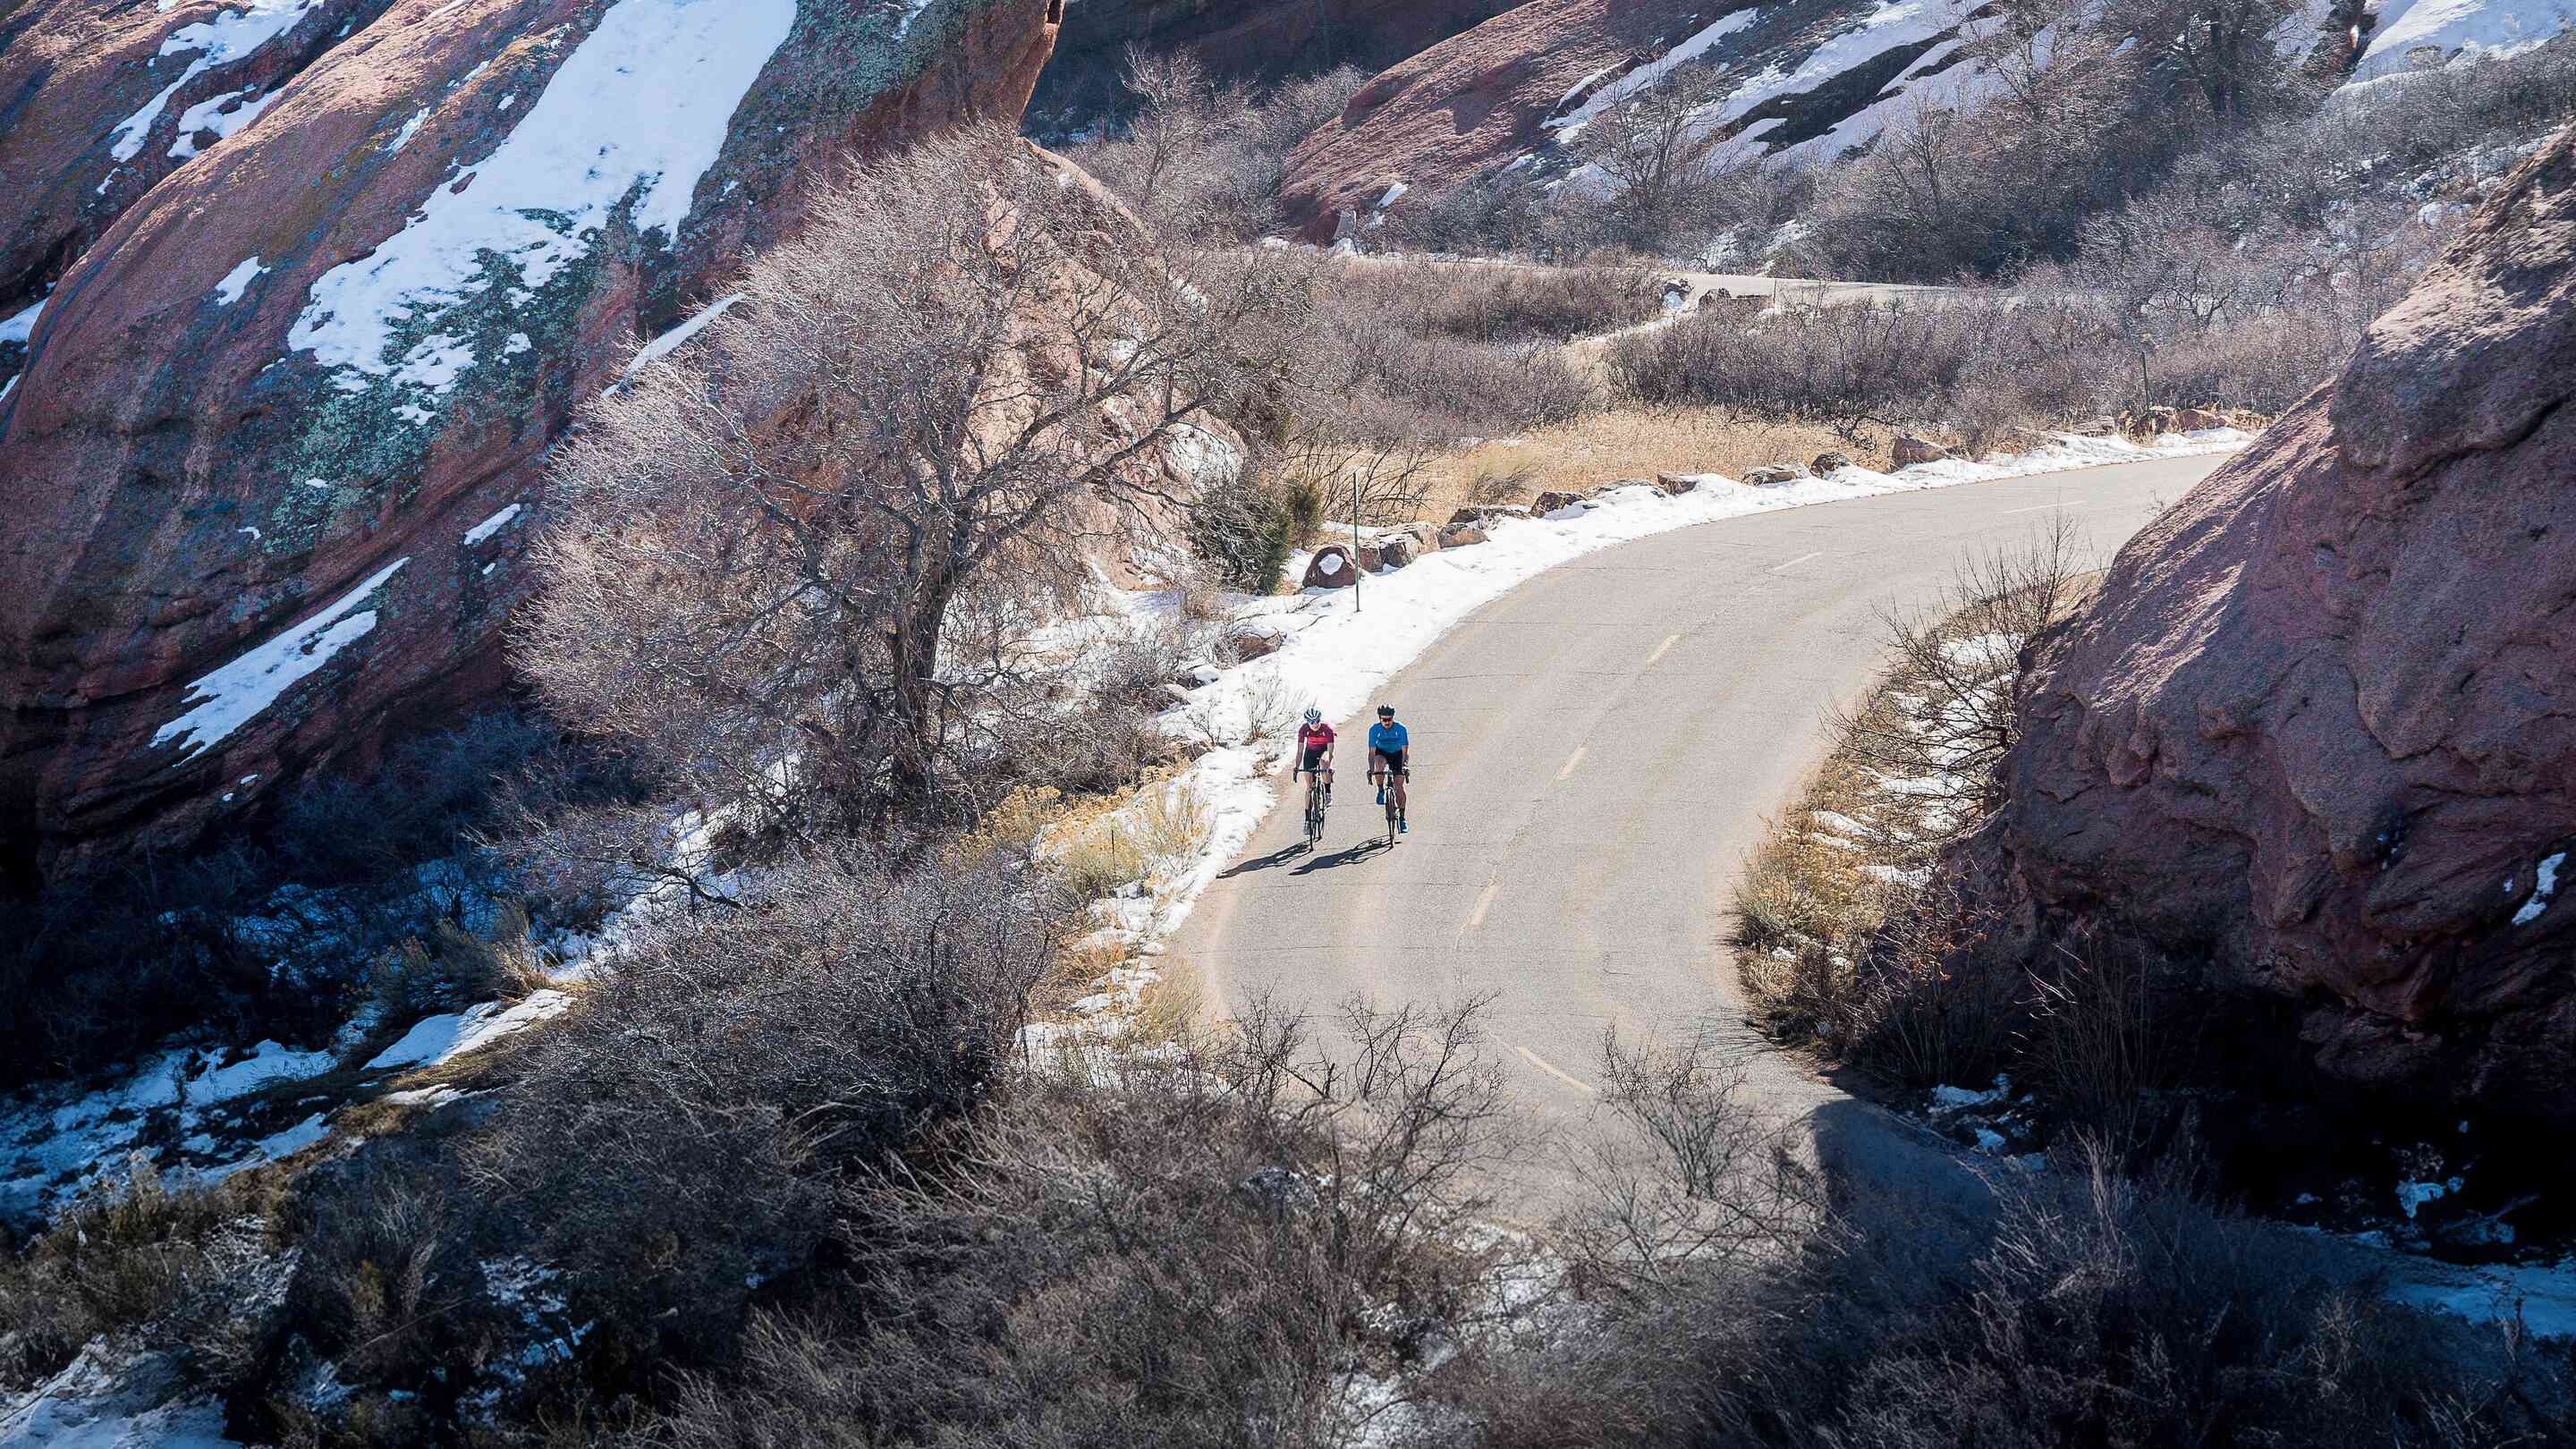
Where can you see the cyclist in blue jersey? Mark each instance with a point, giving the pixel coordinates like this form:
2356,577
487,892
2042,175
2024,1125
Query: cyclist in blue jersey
1388,746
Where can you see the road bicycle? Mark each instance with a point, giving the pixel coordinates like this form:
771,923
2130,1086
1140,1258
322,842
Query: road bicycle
1314,809
1394,819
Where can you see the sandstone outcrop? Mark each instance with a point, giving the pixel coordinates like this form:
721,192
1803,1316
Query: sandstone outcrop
1810,74
1255,42
276,447
2316,736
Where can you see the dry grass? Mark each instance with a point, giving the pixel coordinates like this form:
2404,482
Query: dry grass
1633,442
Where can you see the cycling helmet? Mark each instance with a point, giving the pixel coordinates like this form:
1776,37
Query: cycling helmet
1386,711
1314,716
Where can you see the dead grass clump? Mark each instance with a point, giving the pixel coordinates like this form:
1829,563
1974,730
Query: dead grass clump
1582,453
134,1262
1105,845
461,969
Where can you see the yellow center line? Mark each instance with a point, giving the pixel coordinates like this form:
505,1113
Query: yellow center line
1571,762
1544,1065
1669,641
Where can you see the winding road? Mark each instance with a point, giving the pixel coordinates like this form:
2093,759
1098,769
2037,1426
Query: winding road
1595,753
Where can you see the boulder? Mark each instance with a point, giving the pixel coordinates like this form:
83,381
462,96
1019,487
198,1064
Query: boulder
1829,463
1553,502
1676,484
1461,535
1399,551
275,455
2314,739
1251,643
1485,514
2098,427
1772,474
2193,420
1910,450
1330,568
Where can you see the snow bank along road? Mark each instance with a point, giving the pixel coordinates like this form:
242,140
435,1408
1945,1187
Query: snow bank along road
1594,755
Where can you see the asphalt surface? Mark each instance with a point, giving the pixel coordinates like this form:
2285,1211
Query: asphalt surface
1594,756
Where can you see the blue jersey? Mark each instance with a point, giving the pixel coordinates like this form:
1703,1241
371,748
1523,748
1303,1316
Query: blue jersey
1388,739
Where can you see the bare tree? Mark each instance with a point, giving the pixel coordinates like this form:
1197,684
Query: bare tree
1658,146
792,560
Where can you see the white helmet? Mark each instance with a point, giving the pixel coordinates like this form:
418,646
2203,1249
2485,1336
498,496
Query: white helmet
1314,716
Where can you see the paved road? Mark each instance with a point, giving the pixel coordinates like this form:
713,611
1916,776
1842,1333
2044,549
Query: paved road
1596,752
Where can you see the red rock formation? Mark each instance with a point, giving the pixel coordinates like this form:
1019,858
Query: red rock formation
271,461
1470,102
108,98
2319,728
1253,41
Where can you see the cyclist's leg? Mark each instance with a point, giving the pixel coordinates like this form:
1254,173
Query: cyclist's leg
1402,771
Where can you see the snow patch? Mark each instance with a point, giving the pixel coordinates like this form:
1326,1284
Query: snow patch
231,696
492,525
2541,891
236,281
437,1039
211,114
230,36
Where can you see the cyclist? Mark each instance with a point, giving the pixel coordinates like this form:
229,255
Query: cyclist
1315,751
1389,744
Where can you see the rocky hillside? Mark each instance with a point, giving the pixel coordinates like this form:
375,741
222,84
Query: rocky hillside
2317,735
308,288
1797,80
1251,41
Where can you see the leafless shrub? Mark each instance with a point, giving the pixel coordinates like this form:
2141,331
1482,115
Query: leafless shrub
680,1133
1682,1174
2081,1307
1181,1252
1959,656
1496,302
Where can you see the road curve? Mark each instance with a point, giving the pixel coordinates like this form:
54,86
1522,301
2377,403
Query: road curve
1595,753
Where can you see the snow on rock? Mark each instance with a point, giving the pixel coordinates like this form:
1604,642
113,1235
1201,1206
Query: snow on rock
229,37
2542,1297
53,1145
107,1399
571,164
2541,890
2448,27
230,696
222,114
493,524
236,281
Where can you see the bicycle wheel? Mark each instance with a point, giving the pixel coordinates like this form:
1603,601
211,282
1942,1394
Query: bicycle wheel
1390,819
1314,817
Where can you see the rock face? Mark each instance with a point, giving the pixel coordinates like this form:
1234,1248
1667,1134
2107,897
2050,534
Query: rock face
2318,732
1816,76
274,452
106,99
1255,42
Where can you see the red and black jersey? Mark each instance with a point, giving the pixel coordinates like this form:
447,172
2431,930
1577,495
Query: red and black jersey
1314,738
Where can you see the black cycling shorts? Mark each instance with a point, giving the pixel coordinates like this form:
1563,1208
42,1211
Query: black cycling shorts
1394,759
1314,759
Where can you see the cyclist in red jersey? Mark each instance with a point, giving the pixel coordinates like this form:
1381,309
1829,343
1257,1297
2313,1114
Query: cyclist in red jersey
1315,751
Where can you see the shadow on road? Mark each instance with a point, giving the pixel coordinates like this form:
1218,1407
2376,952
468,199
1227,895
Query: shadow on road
1347,855
1272,861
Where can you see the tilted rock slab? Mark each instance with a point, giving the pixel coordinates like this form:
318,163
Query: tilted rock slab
1256,42
276,449
1809,77
2318,730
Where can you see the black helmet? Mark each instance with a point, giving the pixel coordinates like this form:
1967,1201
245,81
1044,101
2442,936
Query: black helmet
1386,711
